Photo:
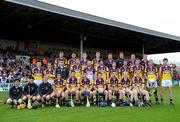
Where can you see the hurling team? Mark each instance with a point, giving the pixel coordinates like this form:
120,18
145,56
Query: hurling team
96,82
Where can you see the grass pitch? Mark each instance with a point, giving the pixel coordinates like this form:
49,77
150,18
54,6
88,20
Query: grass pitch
156,113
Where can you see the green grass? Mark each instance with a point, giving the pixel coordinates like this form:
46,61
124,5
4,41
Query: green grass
157,113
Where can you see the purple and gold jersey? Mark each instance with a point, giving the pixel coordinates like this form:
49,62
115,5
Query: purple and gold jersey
61,59
37,73
166,72
173,66
125,82
78,70
49,73
138,82
90,72
73,83
100,83
103,69
109,63
124,70
114,70
135,69
114,83
71,62
151,72
84,63
131,63
85,84
59,84
95,61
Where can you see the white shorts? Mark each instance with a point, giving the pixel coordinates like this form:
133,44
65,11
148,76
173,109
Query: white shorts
166,83
50,81
90,77
152,83
37,82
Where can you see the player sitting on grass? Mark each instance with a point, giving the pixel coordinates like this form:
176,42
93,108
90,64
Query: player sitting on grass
100,87
15,94
58,90
72,88
30,92
45,90
139,90
125,89
113,87
85,89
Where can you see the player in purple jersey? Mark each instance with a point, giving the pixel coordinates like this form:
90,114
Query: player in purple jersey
58,90
90,71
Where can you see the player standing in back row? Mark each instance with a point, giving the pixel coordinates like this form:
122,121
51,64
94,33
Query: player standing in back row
166,74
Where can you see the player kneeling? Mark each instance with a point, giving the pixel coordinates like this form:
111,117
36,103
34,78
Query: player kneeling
86,89
125,89
58,90
15,94
30,93
100,89
113,89
72,87
45,90
139,91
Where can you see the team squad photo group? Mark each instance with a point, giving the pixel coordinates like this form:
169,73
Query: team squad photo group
96,82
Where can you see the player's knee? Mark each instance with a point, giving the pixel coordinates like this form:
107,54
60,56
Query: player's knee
34,98
48,97
38,97
14,101
20,101
24,98
9,101
44,97
110,91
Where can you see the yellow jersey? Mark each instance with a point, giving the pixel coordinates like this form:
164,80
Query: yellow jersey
166,72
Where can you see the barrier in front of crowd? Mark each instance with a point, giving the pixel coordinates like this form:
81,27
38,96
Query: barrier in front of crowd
4,87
